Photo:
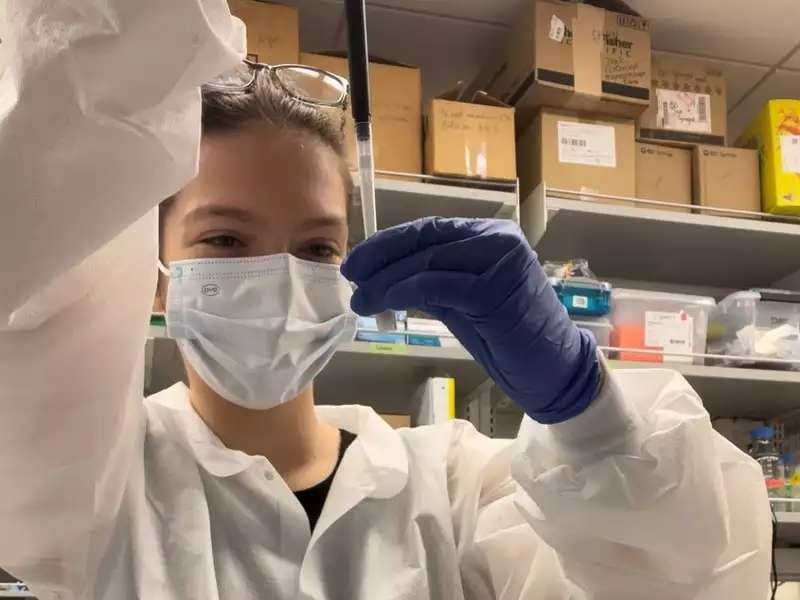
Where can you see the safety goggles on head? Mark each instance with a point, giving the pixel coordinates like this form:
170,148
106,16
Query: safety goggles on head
306,84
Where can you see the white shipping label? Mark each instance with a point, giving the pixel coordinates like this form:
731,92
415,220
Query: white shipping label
790,153
580,302
586,144
557,29
684,111
674,332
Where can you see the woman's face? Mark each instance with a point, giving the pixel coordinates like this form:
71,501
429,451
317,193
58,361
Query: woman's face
260,190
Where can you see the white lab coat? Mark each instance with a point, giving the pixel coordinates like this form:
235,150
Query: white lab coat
108,497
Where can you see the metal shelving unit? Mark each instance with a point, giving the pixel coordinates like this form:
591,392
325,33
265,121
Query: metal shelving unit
386,377
638,241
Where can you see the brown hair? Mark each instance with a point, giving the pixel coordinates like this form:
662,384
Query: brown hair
226,111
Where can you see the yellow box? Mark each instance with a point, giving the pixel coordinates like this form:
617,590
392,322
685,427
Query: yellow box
775,133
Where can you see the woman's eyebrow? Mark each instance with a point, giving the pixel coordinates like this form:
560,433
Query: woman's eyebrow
325,221
219,210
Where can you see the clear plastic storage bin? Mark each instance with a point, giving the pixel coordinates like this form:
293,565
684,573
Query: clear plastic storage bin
659,321
601,328
758,324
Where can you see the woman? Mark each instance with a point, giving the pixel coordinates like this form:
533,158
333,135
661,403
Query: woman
237,486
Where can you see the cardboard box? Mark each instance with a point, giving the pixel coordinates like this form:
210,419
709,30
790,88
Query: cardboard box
396,103
775,133
664,173
273,31
689,103
573,56
726,178
470,139
397,421
578,152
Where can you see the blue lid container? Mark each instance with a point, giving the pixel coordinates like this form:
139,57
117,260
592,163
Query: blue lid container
583,297
763,433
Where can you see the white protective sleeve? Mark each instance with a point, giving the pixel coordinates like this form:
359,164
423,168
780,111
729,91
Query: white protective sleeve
638,497
641,498
99,121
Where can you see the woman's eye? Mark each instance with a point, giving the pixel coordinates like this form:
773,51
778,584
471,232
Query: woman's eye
323,251
222,241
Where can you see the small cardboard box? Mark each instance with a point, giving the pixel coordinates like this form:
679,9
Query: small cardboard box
273,31
397,421
578,152
470,139
775,133
396,104
688,104
726,178
573,56
664,173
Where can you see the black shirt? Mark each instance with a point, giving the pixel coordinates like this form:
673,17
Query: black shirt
313,498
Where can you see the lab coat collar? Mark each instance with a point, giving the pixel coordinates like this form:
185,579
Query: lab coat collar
376,462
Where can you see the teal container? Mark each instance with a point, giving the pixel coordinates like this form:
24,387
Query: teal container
583,297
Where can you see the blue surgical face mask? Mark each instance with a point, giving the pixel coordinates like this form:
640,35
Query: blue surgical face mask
259,329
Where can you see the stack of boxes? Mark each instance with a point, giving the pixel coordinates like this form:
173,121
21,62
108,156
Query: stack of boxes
597,113
464,137
590,107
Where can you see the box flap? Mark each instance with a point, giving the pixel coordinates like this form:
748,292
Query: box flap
481,97
455,93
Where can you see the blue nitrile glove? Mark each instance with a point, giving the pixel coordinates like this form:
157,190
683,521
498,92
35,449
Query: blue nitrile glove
482,279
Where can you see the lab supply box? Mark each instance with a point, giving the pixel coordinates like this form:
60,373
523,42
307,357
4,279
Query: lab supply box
580,152
775,133
470,139
574,56
758,324
601,328
396,99
726,178
651,320
583,296
688,102
273,32
664,174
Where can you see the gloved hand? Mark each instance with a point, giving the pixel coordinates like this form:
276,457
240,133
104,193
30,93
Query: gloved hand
482,279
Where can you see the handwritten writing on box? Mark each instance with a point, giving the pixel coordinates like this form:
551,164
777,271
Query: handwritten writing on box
466,119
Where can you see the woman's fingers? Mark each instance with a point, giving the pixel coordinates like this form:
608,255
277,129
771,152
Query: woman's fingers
421,290
446,244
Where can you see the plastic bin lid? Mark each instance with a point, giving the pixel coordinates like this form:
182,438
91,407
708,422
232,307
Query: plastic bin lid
601,323
740,296
580,282
763,433
647,295
762,295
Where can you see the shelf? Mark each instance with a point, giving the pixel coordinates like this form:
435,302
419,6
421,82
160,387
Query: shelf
736,392
360,374
402,200
649,244
728,391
